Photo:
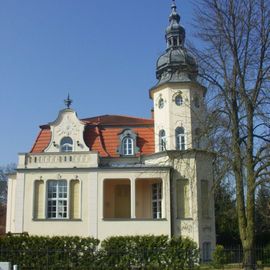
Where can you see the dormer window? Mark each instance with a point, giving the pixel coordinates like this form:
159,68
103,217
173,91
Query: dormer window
128,141
128,146
66,144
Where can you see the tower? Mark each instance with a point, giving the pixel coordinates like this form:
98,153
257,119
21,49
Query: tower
179,124
179,109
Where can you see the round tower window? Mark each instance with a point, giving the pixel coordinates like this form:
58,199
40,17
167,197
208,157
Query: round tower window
178,100
161,103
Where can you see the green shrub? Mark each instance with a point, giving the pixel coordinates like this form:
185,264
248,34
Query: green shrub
219,257
149,252
51,252
129,252
266,255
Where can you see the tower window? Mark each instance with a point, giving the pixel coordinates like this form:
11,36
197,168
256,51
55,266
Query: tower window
178,100
197,136
161,103
175,41
180,138
196,101
128,146
66,144
162,140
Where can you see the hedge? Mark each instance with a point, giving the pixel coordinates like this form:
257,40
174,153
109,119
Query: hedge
122,252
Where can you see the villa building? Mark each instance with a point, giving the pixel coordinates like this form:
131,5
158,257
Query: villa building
119,175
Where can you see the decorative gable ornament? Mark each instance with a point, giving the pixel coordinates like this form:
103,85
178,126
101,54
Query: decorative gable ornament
67,124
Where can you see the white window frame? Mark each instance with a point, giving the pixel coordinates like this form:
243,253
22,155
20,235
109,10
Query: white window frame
59,214
157,201
180,138
162,140
128,146
66,147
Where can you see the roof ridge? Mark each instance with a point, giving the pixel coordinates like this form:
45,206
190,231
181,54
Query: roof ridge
117,115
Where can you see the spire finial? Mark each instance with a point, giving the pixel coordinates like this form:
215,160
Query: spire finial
173,5
68,101
174,17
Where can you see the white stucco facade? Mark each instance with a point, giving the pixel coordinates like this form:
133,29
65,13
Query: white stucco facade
91,172
101,179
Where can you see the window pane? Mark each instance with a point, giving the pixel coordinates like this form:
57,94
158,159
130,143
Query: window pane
66,144
156,200
128,146
180,141
179,100
57,199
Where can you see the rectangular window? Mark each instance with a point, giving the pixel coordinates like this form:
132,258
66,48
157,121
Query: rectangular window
57,199
205,198
156,200
206,251
183,198
180,142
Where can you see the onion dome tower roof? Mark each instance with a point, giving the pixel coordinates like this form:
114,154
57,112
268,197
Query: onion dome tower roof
176,64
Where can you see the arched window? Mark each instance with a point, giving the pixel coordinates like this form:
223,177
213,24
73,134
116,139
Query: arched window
196,101
180,140
162,140
66,144
127,143
128,146
161,103
197,139
178,100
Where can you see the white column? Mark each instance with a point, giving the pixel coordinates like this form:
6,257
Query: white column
19,203
133,197
93,190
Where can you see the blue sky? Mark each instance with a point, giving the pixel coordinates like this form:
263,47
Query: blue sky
102,52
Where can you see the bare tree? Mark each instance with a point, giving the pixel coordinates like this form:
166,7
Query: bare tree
235,62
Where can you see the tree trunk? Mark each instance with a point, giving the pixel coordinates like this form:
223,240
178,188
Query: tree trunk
249,262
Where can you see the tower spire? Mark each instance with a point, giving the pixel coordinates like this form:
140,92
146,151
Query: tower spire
174,15
175,34
176,64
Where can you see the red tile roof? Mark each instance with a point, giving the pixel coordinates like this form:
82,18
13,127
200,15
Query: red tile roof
102,134
118,120
42,140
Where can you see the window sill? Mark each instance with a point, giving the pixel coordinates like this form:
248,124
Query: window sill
185,218
56,219
133,219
